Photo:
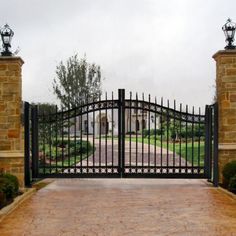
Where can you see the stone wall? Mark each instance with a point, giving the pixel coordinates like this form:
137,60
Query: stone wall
226,97
11,147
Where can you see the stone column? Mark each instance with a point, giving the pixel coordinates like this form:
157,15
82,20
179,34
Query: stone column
226,97
11,140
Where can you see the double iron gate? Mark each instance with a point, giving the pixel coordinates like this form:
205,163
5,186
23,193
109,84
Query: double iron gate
123,137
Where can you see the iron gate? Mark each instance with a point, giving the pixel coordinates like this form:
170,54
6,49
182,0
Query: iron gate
123,137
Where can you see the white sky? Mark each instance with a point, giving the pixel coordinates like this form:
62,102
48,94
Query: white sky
159,47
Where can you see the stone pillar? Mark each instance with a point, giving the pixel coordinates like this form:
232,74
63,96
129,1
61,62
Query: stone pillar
226,97
11,140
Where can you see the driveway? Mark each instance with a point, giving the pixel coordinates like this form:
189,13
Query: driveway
138,154
81,207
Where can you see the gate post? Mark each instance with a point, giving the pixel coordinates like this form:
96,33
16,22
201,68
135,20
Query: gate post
215,141
27,143
226,98
34,119
207,160
121,130
11,134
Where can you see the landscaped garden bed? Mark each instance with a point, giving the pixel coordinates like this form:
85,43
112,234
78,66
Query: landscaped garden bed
63,152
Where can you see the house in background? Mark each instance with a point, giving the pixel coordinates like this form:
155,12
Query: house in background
104,123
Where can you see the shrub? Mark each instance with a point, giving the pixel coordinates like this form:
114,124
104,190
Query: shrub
173,135
130,132
145,132
14,180
232,184
7,187
228,172
152,132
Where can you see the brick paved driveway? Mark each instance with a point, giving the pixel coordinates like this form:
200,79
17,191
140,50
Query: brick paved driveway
124,207
134,153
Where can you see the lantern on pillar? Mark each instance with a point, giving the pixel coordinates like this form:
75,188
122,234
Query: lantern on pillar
229,31
6,36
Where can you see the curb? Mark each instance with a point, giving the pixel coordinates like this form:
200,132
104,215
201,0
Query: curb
231,195
17,202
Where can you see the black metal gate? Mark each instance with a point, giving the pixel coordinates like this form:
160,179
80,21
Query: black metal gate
123,137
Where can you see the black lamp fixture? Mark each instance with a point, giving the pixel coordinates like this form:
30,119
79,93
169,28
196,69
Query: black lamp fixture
6,35
229,31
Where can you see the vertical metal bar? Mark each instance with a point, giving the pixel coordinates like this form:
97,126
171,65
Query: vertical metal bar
68,136
44,146
143,122
75,147
100,133
27,144
34,118
87,133
167,136
149,131
155,141
121,130
136,133
216,172
50,142
62,139
81,139
130,131
180,138
192,140
56,126
210,143
174,137
186,141
93,136
206,156
161,118
112,133
199,139
106,130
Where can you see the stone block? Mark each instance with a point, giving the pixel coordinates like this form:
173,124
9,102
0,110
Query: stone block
3,79
232,98
13,67
227,60
3,108
231,71
3,67
231,121
10,88
13,133
13,118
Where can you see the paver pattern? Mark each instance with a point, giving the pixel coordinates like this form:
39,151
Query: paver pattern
80,207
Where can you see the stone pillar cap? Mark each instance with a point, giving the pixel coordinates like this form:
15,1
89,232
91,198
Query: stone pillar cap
12,58
224,52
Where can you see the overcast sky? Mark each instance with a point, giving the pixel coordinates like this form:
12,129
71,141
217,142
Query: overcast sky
159,47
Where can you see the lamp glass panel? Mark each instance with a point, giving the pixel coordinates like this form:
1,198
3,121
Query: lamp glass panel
6,39
230,33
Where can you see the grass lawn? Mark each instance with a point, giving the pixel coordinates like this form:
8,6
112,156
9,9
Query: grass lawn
192,151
